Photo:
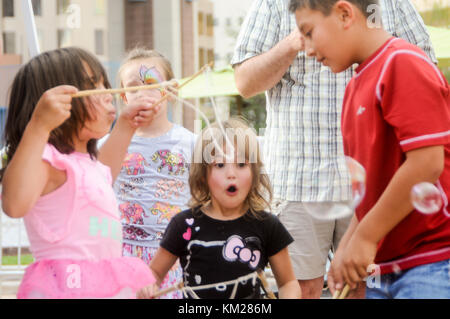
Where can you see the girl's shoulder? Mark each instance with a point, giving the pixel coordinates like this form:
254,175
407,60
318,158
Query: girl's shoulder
55,158
183,133
187,214
262,216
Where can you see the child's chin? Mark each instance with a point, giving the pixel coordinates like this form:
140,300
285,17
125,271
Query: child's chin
338,69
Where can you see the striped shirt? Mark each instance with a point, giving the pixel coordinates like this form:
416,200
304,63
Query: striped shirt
303,149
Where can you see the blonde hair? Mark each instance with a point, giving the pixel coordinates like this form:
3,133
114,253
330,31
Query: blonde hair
246,143
141,53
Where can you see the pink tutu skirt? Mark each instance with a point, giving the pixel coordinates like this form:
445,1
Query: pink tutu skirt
85,279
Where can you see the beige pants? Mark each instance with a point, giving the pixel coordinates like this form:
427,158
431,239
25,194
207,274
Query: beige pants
313,238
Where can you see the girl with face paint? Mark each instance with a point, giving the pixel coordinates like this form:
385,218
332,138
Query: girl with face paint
152,185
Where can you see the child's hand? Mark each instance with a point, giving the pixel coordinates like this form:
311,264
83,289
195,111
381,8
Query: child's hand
147,292
172,89
352,267
141,111
53,108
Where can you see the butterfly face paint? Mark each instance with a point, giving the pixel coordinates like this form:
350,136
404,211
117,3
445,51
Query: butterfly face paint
150,76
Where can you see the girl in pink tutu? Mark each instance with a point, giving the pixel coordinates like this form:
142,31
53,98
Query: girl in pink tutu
55,180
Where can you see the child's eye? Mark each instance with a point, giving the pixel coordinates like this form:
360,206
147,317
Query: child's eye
242,165
308,34
219,165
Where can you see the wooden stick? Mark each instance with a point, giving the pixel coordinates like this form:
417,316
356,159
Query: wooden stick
344,292
341,294
165,97
336,294
162,292
265,284
139,88
122,90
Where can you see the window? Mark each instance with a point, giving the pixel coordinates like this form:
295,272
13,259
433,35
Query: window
37,7
201,24
99,42
64,38
228,22
9,43
61,6
210,56
99,7
201,57
209,25
8,8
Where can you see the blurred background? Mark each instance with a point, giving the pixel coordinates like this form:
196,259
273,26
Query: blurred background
190,33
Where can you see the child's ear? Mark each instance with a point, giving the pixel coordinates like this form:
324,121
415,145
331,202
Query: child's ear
345,11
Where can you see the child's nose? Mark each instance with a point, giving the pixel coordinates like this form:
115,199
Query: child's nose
230,171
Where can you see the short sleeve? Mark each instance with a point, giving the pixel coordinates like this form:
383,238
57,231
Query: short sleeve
54,157
173,240
278,236
415,101
259,32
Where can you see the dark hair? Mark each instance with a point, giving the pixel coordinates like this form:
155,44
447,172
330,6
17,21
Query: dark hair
43,72
325,6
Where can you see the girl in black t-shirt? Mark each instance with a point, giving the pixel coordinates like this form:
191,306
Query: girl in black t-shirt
226,236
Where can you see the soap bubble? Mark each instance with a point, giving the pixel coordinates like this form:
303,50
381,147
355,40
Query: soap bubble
339,210
426,198
358,178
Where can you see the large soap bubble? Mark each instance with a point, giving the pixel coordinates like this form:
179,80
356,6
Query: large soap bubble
426,198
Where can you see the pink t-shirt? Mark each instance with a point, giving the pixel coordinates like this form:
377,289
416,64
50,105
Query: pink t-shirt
75,236
80,219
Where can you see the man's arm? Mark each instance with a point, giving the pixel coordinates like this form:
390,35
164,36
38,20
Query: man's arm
264,71
409,26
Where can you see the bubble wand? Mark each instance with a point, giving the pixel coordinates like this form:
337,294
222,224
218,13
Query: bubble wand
142,87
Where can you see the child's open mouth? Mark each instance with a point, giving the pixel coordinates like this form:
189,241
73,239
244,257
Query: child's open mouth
232,190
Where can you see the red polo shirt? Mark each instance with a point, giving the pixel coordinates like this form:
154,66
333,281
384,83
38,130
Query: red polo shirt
399,101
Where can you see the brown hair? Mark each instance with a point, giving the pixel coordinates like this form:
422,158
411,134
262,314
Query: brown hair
140,53
43,72
325,6
260,194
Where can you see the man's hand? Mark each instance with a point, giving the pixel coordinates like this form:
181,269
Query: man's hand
296,40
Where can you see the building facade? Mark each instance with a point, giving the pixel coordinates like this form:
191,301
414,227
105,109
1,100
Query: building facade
108,28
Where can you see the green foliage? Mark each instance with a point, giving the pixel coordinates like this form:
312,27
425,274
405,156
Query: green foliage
438,16
12,260
253,110
446,72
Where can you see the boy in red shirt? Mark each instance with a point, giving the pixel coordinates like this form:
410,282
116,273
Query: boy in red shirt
396,123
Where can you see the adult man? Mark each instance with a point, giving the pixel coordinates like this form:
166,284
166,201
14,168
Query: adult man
303,143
